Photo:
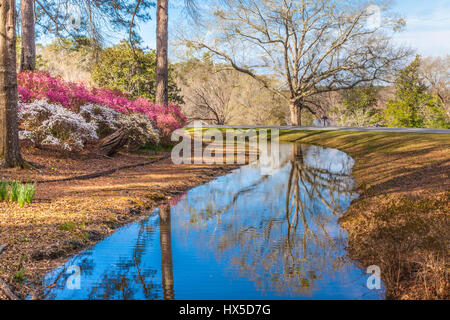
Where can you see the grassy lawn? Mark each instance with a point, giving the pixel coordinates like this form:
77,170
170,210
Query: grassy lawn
401,221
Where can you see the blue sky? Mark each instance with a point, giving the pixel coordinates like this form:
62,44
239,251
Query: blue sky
428,25
427,30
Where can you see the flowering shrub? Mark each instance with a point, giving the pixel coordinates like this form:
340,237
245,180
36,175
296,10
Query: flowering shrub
105,118
139,130
39,85
48,124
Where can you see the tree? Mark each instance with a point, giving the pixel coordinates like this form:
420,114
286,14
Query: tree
78,19
208,91
9,134
92,19
412,106
162,63
72,59
312,47
28,50
435,72
131,70
162,48
218,94
358,107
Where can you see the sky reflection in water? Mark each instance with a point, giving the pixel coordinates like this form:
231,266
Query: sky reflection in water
246,235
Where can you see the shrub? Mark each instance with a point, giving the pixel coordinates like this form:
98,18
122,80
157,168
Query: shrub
38,86
105,118
139,130
49,124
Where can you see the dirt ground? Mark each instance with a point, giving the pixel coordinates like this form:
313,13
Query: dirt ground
68,216
401,221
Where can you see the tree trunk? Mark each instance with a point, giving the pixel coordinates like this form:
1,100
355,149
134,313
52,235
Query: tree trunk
162,64
112,143
166,253
296,114
9,131
28,53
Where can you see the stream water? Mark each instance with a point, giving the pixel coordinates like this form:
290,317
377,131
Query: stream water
256,233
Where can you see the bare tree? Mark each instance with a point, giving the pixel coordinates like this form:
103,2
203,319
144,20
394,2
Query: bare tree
435,72
28,50
312,46
9,132
218,94
208,93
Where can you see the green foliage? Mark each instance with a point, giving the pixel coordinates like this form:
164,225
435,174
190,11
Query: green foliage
3,190
26,193
14,191
68,226
132,71
413,106
19,276
363,97
358,107
17,191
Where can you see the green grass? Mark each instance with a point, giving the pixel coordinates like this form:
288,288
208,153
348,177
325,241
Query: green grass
26,193
19,276
3,190
68,226
15,191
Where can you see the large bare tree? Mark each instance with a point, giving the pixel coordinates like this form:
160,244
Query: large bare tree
9,132
28,50
312,46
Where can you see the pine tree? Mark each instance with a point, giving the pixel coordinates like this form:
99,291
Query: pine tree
9,132
412,106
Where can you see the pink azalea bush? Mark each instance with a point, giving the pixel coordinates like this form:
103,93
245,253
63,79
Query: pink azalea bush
40,85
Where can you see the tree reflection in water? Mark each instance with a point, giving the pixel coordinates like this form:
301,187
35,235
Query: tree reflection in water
129,277
285,248
246,234
166,252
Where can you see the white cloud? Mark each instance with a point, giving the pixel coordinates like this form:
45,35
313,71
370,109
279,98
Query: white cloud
428,29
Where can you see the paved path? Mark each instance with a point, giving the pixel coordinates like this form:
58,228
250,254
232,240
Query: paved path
375,129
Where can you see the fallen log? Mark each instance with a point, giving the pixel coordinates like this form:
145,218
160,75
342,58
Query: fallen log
7,290
111,144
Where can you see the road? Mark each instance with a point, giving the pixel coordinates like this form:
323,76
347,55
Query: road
369,129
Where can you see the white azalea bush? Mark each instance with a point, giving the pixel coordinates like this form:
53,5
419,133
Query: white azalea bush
139,129
44,123
105,118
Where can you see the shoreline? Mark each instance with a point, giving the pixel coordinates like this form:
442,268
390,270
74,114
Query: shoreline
76,215
400,221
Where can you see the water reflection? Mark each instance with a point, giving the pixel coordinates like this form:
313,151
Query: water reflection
166,252
247,235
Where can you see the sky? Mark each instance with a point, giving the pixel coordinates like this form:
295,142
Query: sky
427,25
